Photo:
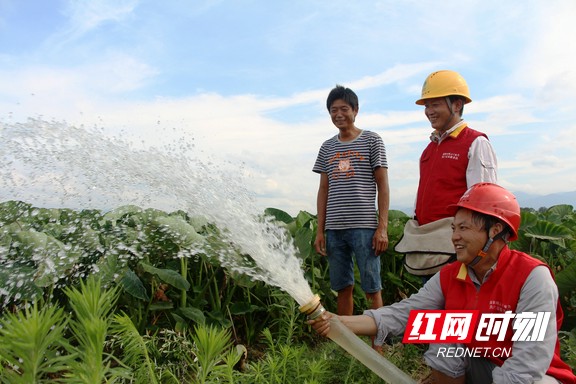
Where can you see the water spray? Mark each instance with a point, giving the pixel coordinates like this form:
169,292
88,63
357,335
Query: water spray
355,346
46,163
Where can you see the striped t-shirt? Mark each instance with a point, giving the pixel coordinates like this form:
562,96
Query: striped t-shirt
351,186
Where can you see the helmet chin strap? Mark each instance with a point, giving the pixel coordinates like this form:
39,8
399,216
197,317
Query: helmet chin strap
451,109
484,251
449,103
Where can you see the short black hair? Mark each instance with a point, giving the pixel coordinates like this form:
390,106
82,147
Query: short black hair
487,221
342,93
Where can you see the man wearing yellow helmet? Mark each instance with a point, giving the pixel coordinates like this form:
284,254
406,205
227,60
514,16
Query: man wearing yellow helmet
456,158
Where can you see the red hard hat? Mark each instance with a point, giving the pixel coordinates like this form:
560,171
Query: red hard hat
494,200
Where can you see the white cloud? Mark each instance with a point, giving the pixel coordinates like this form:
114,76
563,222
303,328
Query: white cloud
546,64
85,16
518,63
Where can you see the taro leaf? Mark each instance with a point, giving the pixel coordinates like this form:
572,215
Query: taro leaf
54,230
527,219
133,285
152,213
279,215
50,255
180,325
194,314
198,222
557,213
168,276
219,318
243,308
242,280
292,228
303,218
5,237
53,267
16,284
31,242
178,318
45,215
180,232
303,240
116,214
395,214
545,230
12,210
110,267
90,240
566,280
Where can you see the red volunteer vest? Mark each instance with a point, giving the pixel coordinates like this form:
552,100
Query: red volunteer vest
443,176
498,295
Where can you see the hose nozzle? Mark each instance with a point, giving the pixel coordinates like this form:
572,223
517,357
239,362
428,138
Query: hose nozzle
313,308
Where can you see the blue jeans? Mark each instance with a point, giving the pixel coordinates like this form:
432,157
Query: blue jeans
342,246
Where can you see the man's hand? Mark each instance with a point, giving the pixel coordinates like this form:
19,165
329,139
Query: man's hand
322,323
320,244
380,241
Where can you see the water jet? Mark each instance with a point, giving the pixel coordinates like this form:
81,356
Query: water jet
48,164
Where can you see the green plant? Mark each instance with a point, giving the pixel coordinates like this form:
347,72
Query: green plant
92,318
568,347
33,346
170,350
284,363
396,283
212,357
550,235
168,277
408,357
135,352
287,322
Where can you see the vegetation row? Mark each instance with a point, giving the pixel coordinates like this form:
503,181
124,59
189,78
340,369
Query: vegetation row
139,295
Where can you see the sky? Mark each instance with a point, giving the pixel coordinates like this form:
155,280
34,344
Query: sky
247,80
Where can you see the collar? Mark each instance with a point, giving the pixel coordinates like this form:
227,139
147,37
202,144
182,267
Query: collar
360,132
453,132
465,271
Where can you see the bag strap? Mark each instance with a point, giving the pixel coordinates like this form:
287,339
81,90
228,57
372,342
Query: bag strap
451,259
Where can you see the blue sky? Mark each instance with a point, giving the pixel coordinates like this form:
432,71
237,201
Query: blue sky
247,80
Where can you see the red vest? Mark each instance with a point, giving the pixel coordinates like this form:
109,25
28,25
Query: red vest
443,176
498,295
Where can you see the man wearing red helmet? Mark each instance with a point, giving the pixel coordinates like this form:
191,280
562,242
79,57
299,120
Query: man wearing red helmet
488,277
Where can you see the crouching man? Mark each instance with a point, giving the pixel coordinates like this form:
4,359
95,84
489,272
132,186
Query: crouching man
488,277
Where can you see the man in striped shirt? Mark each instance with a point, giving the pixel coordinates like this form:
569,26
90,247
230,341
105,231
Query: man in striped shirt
353,179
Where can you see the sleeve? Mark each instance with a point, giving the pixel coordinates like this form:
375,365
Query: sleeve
531,359
378,152
482,162
319,164
392,319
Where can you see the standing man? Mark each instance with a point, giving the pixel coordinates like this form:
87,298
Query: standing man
353,176
456,158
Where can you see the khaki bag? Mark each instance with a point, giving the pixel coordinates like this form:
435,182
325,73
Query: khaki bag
427,248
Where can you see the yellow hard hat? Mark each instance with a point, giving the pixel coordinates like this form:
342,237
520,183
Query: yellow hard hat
444,83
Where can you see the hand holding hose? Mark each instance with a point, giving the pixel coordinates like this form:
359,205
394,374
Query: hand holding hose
321,324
